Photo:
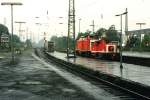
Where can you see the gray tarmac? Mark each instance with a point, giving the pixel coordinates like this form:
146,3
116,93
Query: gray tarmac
30,79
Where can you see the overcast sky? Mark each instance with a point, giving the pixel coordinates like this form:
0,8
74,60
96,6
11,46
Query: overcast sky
87,10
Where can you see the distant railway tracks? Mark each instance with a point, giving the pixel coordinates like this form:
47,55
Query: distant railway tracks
135,90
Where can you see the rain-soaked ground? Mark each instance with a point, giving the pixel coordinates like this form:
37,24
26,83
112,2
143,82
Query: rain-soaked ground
34,79
132,72
30,80
137,54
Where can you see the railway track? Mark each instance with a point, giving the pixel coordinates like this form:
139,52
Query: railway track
103,81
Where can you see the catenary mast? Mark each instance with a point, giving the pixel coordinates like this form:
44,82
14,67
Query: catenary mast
71,29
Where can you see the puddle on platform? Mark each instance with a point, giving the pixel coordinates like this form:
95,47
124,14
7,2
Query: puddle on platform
68,90
31,83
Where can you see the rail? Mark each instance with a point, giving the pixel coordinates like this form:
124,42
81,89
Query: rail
138,90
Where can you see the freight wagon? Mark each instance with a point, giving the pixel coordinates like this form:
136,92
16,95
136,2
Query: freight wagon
50,46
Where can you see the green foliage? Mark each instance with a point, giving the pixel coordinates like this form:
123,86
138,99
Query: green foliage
3,29
112,34
16,39
133,42
100,32
53,38
16,42
61,43
28,44
146,41
79,35
86,33
83,34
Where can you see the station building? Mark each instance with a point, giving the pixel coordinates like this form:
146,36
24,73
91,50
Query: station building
138,33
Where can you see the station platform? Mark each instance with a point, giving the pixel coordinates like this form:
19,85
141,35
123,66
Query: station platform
136,73
33,79
137,54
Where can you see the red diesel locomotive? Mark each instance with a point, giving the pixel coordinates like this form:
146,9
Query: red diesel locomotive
91,46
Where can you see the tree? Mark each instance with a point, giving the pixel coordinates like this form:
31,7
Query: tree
16,41
53,38
3,30
86,33
146,41
61,43
28,43
111,34
100,32
83,34
79,35
133,42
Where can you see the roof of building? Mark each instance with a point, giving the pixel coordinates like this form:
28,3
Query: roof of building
145,30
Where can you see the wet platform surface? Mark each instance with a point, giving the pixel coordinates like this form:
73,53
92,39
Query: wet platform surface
132,72
137,54
32,80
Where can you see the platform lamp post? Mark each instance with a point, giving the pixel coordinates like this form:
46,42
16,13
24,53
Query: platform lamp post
38,24
93,26
121,66
12,4
79,24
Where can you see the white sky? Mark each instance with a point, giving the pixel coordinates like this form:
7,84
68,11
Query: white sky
87,10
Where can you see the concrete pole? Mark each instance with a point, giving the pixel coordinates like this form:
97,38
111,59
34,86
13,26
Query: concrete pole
12,45
12,39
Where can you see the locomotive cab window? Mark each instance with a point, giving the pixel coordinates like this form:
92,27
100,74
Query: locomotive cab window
111,48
